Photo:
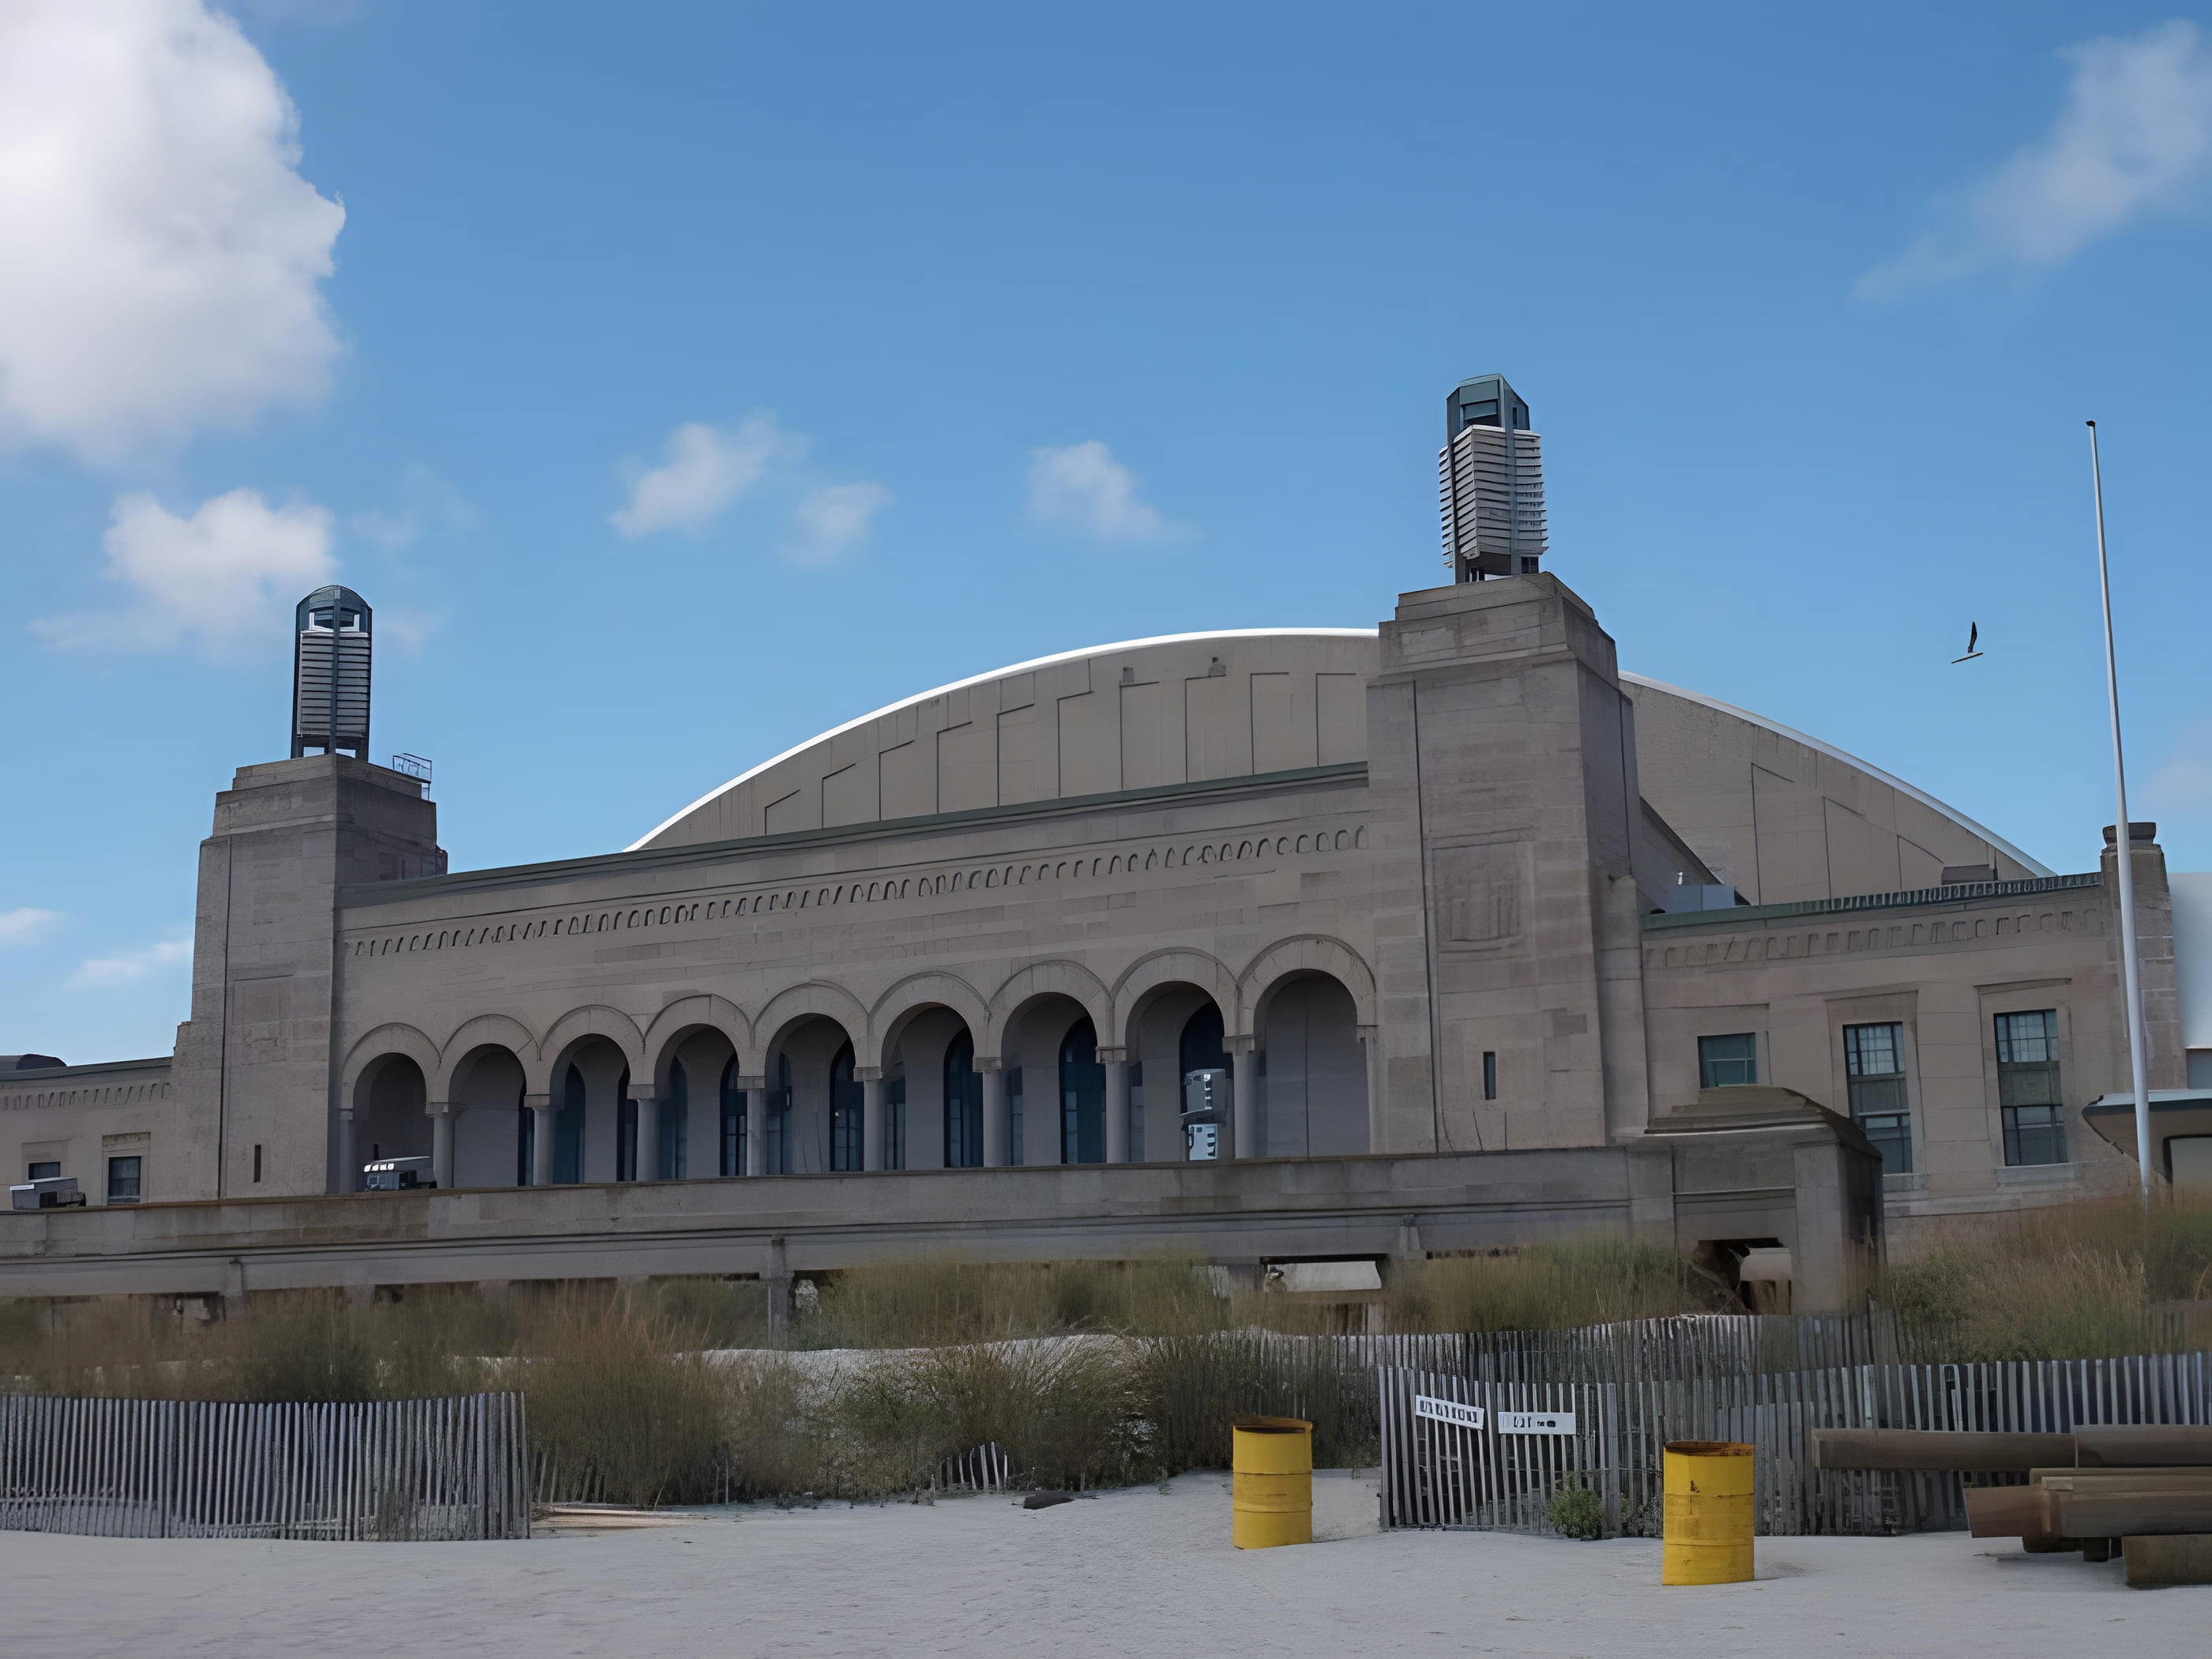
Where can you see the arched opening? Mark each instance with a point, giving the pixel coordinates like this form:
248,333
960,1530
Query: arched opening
491,1132
933,1097
1313,1101
1175,1029
594,1120
813,1115
688,1089
963,1105
392,1119
1031,1050
1082,1097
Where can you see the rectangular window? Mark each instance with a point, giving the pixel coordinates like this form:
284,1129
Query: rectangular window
2028,1092
257,1162
1873,1068
122,1180
48,1169
1136,1111
1724,1061
1489,1074
1013,1115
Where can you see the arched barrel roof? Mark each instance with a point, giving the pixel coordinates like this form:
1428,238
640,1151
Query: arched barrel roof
1183,707
1779,814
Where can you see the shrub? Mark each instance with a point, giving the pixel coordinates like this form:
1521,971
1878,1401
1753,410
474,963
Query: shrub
1576,1511
622,1412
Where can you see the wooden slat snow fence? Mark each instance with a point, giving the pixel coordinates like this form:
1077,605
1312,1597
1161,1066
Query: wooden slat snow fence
1442,1467
385,1470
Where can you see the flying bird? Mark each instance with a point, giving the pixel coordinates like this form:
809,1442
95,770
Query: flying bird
1973,637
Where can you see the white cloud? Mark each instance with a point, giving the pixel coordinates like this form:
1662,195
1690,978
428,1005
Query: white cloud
127,967
26,925
1082,487
231,571
164,252
833,520
2135,136
706,470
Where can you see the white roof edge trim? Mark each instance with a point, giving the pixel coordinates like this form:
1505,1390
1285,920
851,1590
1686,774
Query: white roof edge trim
642,842
1834,753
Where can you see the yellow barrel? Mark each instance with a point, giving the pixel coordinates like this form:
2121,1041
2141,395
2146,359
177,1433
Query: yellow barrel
1272,1477
1707,1525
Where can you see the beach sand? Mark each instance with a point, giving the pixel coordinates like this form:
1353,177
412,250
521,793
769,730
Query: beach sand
1148,1571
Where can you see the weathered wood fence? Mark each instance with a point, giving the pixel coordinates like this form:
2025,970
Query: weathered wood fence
1443,1468
384,1470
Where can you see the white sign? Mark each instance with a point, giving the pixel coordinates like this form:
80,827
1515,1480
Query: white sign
1448,1411
1535,1422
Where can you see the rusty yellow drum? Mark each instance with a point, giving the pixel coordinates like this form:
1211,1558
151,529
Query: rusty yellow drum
1706,1523
1271,1468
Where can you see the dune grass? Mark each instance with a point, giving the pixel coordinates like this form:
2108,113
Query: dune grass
2073,1281
671,1391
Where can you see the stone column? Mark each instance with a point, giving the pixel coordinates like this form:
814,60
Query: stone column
755,1089
349,1177
1116,1062
871,1115
540,1108
996,1132
1244,1096
648,1133
1370,1050
441,1143
777,1280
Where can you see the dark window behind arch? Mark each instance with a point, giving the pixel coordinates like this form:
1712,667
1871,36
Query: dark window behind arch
674,1108
778,1120
1203,1047
732,1138
1082,1097
963,1105
568,1130
625,1130
847,1114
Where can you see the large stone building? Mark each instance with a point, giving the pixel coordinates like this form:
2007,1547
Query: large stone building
1480,936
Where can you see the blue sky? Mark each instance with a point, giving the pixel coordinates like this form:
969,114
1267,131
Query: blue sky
680,380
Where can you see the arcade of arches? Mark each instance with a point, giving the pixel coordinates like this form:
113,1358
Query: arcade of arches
1054,1094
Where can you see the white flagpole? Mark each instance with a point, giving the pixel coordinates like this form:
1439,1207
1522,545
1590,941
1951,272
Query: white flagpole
2123,851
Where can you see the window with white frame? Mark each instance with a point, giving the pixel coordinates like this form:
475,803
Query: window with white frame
1873,1071
2028,1094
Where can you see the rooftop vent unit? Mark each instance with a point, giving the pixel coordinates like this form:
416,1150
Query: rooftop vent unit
330,674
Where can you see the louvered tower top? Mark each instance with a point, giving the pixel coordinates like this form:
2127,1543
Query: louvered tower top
331,674
1490,482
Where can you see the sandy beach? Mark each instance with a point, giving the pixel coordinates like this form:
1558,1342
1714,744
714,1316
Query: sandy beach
1142,1573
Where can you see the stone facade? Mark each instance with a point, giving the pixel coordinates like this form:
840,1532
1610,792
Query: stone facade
1419,892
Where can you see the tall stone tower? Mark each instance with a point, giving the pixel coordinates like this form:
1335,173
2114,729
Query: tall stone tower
1502,757
256,1068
